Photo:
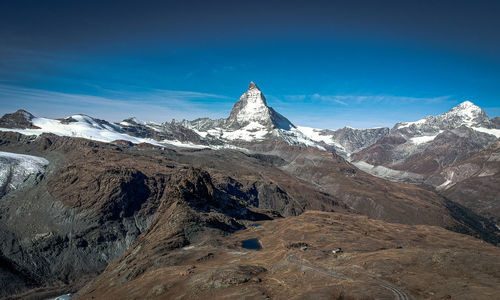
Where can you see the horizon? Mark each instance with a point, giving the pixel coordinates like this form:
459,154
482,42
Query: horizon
298,125
327,64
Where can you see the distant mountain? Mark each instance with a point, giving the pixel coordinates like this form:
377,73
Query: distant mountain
346,140
410,151
473,182
415,150
251,120
19,119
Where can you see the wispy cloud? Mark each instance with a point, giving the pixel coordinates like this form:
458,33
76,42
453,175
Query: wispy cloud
327,98
154,104
359,111
345,100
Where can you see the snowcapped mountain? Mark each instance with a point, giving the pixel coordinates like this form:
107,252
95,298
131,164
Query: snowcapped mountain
251,120
465,114
346,140
252,110
415,150
81,126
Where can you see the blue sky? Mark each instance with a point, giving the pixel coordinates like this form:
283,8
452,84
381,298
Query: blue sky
321,64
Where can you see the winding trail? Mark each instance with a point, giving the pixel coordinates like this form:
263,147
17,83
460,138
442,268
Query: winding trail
400,295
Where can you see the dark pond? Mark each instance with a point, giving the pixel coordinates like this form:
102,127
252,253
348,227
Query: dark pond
252,244
254,225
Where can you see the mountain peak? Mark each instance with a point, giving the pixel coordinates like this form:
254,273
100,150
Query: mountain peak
465,113
19,119
468,111
252,86
466,105
252,108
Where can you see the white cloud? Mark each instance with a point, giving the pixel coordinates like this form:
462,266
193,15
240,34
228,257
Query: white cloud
327,98
344,99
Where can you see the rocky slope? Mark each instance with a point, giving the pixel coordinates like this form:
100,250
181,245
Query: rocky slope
346,140
96,200
379,260
91,205
473,182
20,119
413,151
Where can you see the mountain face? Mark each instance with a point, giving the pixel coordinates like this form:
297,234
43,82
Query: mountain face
252,109
415,150
346,140
473,182
251,120
19,119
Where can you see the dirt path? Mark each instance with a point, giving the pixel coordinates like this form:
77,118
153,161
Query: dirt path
400,295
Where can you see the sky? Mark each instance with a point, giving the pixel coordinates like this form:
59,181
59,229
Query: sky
324,64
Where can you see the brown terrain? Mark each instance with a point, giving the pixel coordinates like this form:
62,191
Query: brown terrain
379,260
148,209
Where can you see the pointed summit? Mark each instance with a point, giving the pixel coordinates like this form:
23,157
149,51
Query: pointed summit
467,107
468,112
252,108
467,103
252,86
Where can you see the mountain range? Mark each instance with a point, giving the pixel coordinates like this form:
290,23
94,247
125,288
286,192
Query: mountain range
134,208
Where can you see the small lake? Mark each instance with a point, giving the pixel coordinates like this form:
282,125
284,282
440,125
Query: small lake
252,244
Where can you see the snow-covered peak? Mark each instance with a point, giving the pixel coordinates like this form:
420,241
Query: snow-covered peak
252,86
466,113
251,103
466,105
252,108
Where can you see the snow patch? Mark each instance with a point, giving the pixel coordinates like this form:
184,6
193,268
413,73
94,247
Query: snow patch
63,297
422,139
387,173
16,168
314,134
444,185
89,128
408,124
495,132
